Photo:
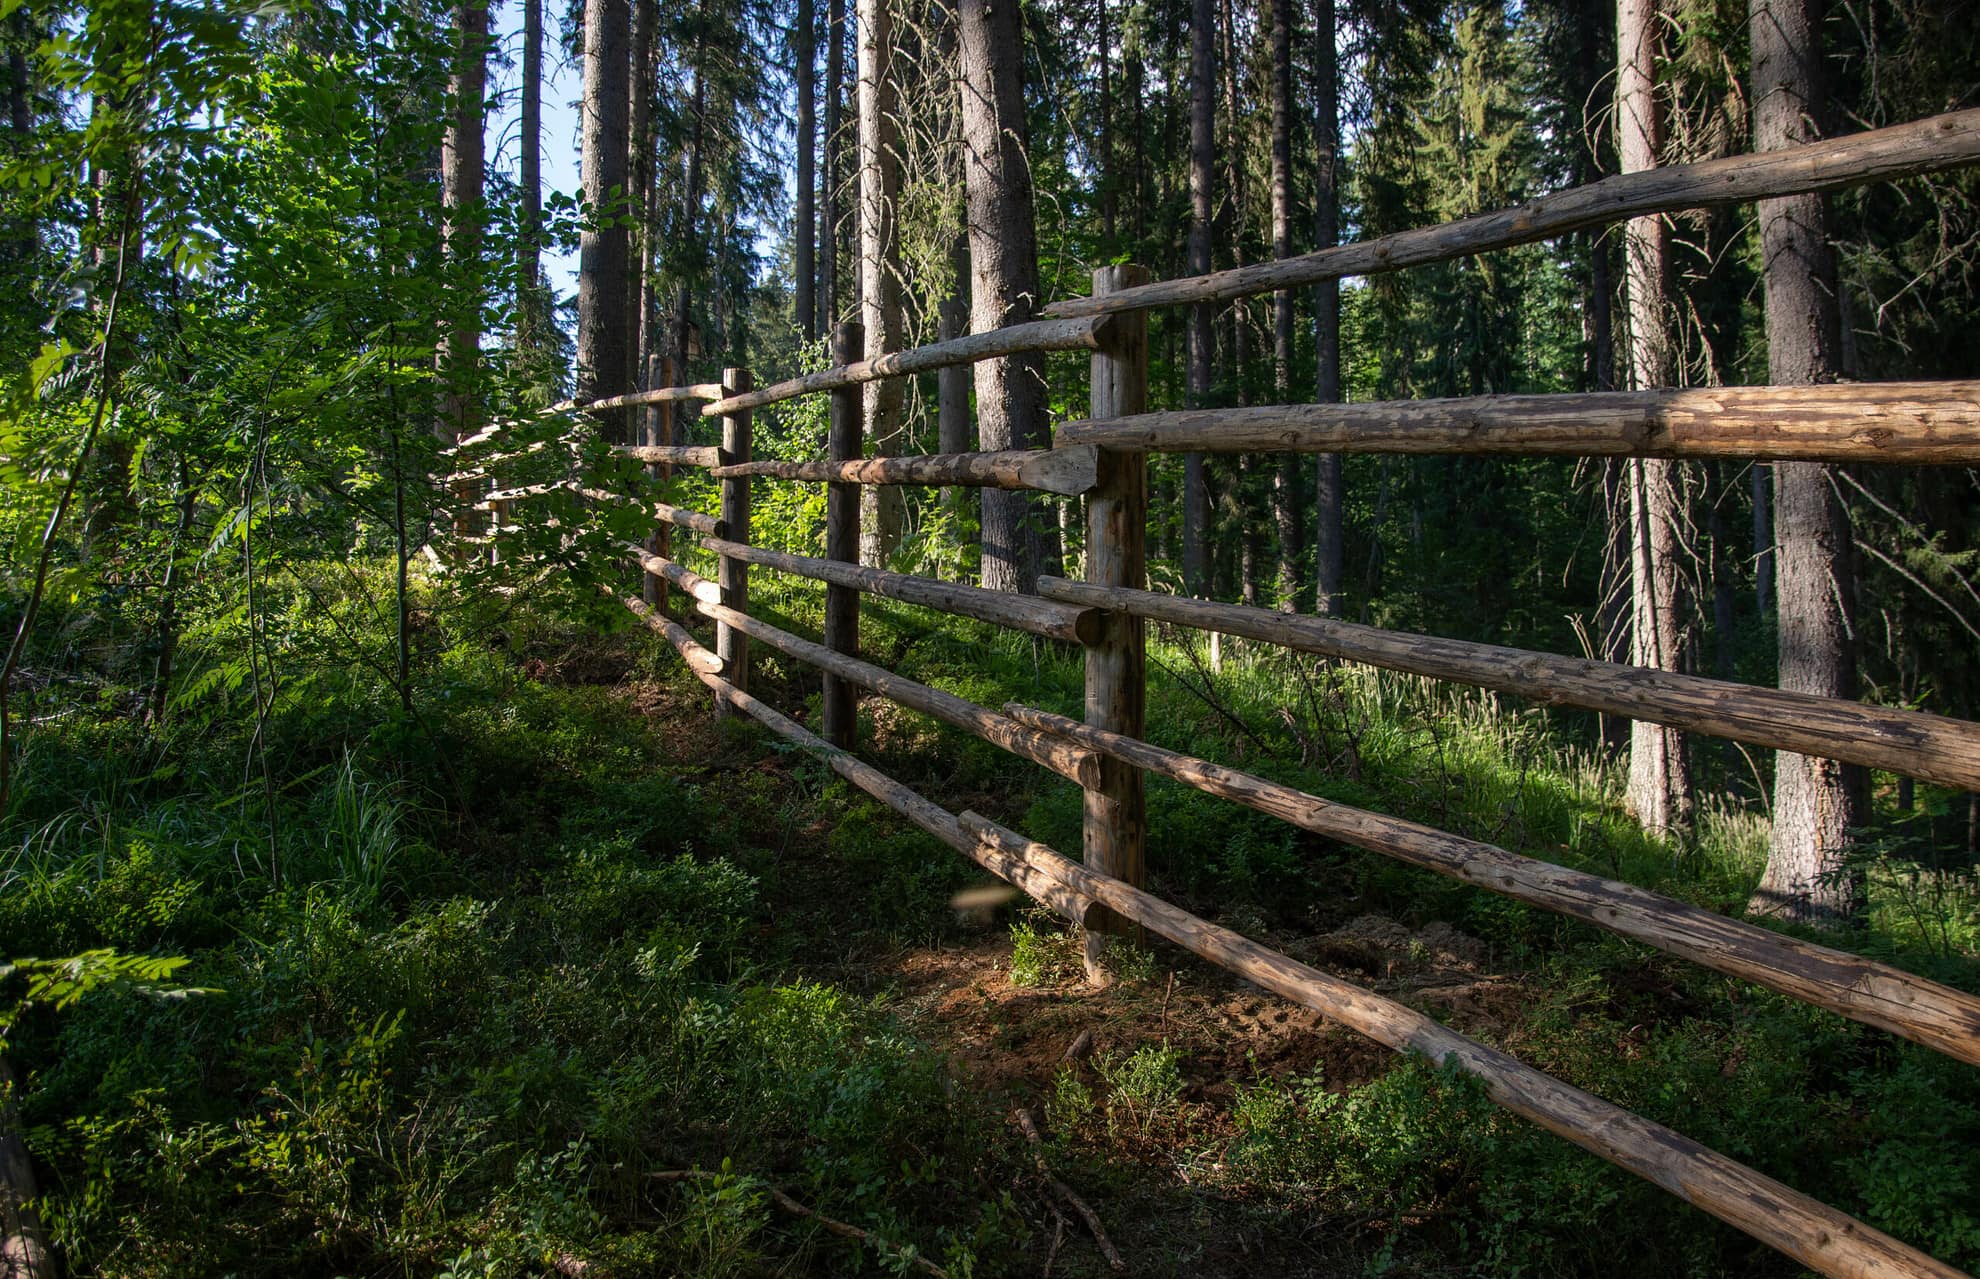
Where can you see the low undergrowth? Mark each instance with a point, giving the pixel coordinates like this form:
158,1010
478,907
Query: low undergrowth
462,979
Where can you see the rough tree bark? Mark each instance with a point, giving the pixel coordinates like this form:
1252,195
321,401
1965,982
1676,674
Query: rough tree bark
1817,802
641,84
880,509
828,194
1285,478
1202,109
1659,780
603,251
1330,484
460,226
804,234
532,310
1003,260
952,424
691,206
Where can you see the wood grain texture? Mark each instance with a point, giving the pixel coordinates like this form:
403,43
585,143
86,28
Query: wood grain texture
731,573
1114,819
1861,989
1069,471
676,454
1914,743
1041,335
1020,612
681,517
1906,150
700,660
659,395
1913,423
929,816
839,711
687,579
1810,1232
1044,749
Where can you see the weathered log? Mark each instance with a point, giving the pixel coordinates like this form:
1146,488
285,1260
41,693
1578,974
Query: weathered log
732,574
839,713
509,495
1906,150
926,814
1068,470
1042,335
687,579
1020,612
1915,423
24,1251
1044,749
1812,1233
660,395
700,660
1114,816
1913,743
677,454
1861,989
677,515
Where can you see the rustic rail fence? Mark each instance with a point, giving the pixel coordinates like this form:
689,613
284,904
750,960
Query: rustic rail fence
1103,459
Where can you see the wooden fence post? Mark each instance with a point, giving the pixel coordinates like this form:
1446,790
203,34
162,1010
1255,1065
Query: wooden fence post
731,574
1116,816
842,540
659,429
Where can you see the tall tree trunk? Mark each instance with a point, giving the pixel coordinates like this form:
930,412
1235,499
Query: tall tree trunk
1133,77
1285,477
1108,178
691,210
1330,481
603,258
1817,802
1659,779
1241,488
828,239
641,84
1003,261
952,424
460,227
804,234
532,306
1202,108
1760,478
879,269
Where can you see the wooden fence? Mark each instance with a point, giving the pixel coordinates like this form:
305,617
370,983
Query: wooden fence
1103,459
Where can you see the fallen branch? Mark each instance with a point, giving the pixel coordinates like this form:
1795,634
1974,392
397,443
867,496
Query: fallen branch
843,1229
1063,1191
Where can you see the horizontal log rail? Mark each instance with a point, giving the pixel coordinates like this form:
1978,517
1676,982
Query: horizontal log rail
699,660
659,395
1015,339
1811,1232
1861,989
1906,150
698,587
675,515
1915,743
1027,613
674,454
1068,471
1915,423
493,496
1047,750
928,815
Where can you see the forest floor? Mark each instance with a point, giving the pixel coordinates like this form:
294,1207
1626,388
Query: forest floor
466,984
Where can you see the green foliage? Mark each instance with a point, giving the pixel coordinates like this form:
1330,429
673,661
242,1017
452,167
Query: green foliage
1042,955
1143,1086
